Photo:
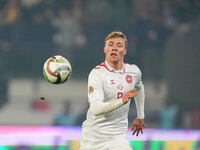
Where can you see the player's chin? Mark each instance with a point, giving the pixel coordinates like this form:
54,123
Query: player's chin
114,60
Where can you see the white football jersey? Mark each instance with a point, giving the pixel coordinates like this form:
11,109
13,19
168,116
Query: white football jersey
106,87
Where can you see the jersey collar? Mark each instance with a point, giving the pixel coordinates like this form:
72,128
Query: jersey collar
109,68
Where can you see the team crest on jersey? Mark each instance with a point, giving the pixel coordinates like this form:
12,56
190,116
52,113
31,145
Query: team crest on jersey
91,89
129,79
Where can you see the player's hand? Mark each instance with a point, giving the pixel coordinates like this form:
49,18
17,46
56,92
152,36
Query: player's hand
137,127
129,95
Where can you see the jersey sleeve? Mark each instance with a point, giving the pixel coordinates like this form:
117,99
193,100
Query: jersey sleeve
140,98
95,87
96,95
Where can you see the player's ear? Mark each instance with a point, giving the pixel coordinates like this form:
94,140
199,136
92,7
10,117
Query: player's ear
125,52
104,49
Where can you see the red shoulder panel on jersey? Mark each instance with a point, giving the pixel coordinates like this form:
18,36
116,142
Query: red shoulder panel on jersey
99,66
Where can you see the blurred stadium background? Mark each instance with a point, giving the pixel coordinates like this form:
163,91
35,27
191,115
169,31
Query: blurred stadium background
163,40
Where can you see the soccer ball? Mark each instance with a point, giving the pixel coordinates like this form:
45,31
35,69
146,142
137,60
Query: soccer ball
57,69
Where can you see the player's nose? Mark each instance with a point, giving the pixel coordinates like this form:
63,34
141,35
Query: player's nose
114,48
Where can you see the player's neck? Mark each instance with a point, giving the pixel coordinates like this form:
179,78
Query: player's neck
117,65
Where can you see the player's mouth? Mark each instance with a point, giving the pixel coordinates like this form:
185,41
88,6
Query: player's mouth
113,54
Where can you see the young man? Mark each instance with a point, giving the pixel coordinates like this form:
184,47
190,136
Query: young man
111,85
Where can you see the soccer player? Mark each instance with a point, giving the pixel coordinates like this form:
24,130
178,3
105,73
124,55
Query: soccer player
111,85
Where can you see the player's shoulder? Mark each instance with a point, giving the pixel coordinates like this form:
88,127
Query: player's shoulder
133,68
98,69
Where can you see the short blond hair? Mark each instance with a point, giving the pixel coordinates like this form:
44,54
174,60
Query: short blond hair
116,34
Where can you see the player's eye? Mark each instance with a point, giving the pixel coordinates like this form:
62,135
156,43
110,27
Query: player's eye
110,44
120,45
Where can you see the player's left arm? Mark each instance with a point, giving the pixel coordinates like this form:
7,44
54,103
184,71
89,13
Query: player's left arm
138,123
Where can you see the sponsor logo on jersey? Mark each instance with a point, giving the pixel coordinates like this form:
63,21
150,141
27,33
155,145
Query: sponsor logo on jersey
112,82
91,89
129,79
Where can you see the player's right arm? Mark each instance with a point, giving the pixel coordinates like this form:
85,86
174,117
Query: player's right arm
96,95
129,95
